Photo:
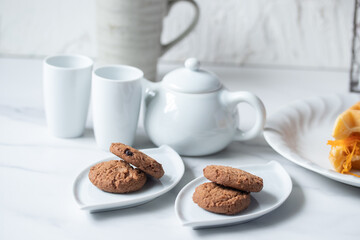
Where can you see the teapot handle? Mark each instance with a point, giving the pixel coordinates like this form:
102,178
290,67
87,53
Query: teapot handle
232,99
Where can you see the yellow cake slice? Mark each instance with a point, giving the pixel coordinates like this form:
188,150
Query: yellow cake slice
345,149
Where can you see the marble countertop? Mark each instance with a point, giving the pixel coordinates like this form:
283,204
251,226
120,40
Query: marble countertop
37,170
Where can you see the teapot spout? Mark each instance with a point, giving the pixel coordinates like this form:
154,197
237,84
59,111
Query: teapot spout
148,85
149,89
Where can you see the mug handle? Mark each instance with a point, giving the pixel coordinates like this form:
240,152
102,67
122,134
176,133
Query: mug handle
232,99
171,3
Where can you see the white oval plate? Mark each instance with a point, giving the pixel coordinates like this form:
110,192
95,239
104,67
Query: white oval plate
277,188
300,131
93,199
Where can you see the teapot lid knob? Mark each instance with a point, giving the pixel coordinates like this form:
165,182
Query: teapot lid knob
192,64
191,79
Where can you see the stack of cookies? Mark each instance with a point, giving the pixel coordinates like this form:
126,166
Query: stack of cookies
118,176
229,191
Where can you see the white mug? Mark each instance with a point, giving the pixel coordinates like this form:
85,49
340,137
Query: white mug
116,99
129,32
67,84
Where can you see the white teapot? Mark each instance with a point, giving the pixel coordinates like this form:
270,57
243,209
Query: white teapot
193,113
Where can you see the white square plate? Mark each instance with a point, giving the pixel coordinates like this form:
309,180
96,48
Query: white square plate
277,188
93,199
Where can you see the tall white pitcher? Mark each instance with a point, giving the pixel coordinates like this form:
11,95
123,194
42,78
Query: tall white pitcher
129,32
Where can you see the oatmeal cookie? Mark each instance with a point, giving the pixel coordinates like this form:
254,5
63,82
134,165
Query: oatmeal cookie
117,176
138,159
233,177
219,199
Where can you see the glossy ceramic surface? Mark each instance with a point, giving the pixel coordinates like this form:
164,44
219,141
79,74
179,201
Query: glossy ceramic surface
277,188
300,131
196,116
66,83
191,79
116,99
92,199
184,122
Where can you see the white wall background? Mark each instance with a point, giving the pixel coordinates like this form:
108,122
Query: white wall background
274,33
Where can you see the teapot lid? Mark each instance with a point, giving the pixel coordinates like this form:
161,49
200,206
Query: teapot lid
191,79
